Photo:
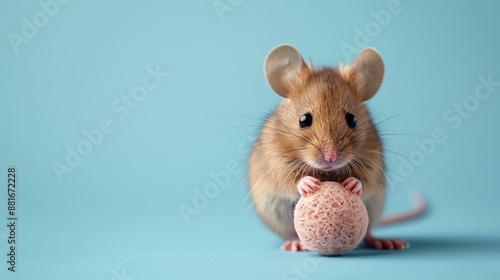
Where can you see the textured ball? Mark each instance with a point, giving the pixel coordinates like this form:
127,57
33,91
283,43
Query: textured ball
331,221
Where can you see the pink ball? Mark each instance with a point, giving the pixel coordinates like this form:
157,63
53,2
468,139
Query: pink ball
331,221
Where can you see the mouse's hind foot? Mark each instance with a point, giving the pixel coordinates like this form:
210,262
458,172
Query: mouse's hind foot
385,244
293,245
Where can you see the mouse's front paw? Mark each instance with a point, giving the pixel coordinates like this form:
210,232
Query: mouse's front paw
353,185
308,184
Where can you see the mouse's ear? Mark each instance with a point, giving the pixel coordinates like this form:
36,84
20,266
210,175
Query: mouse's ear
283,67
368,71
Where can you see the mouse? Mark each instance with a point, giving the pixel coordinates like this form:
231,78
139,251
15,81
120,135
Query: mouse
321,131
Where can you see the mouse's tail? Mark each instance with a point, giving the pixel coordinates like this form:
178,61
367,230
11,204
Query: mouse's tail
418,210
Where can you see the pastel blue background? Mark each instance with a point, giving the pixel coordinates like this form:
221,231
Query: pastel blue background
117,213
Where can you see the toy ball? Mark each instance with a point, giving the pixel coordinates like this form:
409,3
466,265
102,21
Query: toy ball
331,221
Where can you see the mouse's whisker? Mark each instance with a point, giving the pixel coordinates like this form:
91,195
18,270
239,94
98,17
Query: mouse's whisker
305,168
241,126
316,138
267,113
377,122
238,158
356,168
277,129
292,168
369,174
248,169
379,169
402,134
357,132
394,152
251,187
286,133
272,167
389,118
290,213
346,133
408,109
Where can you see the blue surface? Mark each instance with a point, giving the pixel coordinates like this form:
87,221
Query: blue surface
116,214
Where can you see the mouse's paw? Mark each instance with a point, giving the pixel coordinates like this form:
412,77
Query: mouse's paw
386,244
293,245
353,185
308,184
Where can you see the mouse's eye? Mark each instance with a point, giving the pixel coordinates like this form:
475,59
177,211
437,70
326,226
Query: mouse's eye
351,120
306,120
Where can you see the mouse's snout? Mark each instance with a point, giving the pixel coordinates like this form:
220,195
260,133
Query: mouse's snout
326,158
330,153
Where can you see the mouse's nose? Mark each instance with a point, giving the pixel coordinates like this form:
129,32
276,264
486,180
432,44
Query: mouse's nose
329,153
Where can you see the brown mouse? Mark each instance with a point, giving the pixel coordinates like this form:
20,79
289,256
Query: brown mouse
322,131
